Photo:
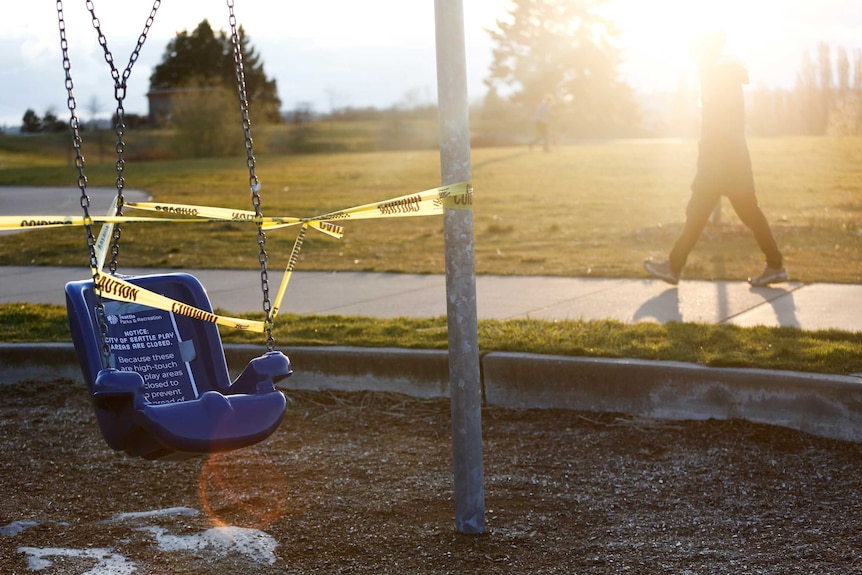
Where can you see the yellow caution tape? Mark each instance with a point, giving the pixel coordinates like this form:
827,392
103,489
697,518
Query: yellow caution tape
424,203
327,228
288,272
112,287
54,221
25,222
456,196
210,213
105,234
214,214
428,202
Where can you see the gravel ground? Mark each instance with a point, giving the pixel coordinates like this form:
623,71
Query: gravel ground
362,483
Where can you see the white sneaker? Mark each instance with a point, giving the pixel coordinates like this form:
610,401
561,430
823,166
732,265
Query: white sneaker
769,276
662,271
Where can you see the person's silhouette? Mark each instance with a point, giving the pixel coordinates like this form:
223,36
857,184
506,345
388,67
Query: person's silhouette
542,121
723,164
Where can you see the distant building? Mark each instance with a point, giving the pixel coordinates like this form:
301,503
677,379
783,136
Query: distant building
161,103
159,107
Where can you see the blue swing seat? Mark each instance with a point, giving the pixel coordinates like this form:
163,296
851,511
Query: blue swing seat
167,394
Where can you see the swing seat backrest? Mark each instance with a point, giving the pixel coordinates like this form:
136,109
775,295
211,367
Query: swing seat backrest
166,393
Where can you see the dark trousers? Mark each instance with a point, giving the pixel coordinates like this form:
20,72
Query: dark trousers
542,135
700,207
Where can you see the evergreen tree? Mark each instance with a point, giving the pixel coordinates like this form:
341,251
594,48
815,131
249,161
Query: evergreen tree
260,89
565,49
51,123
204,58
31,122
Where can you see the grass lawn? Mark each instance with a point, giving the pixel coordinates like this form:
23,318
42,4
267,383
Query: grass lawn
827,351
596,209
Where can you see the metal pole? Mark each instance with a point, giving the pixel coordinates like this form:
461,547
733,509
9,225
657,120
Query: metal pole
464,379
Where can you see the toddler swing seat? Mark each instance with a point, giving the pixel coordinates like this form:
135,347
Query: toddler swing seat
167,393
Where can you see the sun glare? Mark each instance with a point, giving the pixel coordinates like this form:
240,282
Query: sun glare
765,34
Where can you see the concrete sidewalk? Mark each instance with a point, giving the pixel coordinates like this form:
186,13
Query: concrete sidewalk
823,405
807,306
810,307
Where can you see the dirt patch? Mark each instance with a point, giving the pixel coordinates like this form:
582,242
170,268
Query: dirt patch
362,483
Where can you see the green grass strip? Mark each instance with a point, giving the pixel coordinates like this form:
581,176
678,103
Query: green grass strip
785,348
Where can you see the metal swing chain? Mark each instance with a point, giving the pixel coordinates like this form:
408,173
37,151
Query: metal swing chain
119,96
254,182
75,124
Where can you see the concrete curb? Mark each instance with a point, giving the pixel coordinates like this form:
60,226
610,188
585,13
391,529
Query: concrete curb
823,405
414,372
21,362
417,373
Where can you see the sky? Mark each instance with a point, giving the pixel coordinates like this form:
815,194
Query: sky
333,54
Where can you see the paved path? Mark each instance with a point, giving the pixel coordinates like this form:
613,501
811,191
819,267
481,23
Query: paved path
807,306
24,201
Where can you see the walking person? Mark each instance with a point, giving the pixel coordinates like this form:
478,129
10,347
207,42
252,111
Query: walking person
542,121
723,165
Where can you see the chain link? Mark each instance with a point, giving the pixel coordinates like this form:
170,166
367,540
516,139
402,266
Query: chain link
120,85
253,181
75,125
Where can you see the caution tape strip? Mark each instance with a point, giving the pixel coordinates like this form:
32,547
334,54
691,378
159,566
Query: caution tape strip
455,196
112,287
105,234
52,221
425,203
288,272
428,202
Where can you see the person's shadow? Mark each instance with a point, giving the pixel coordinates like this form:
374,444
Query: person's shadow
782,303
663,308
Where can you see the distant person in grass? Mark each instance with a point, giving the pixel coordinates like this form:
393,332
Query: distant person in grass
723,164
542,121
